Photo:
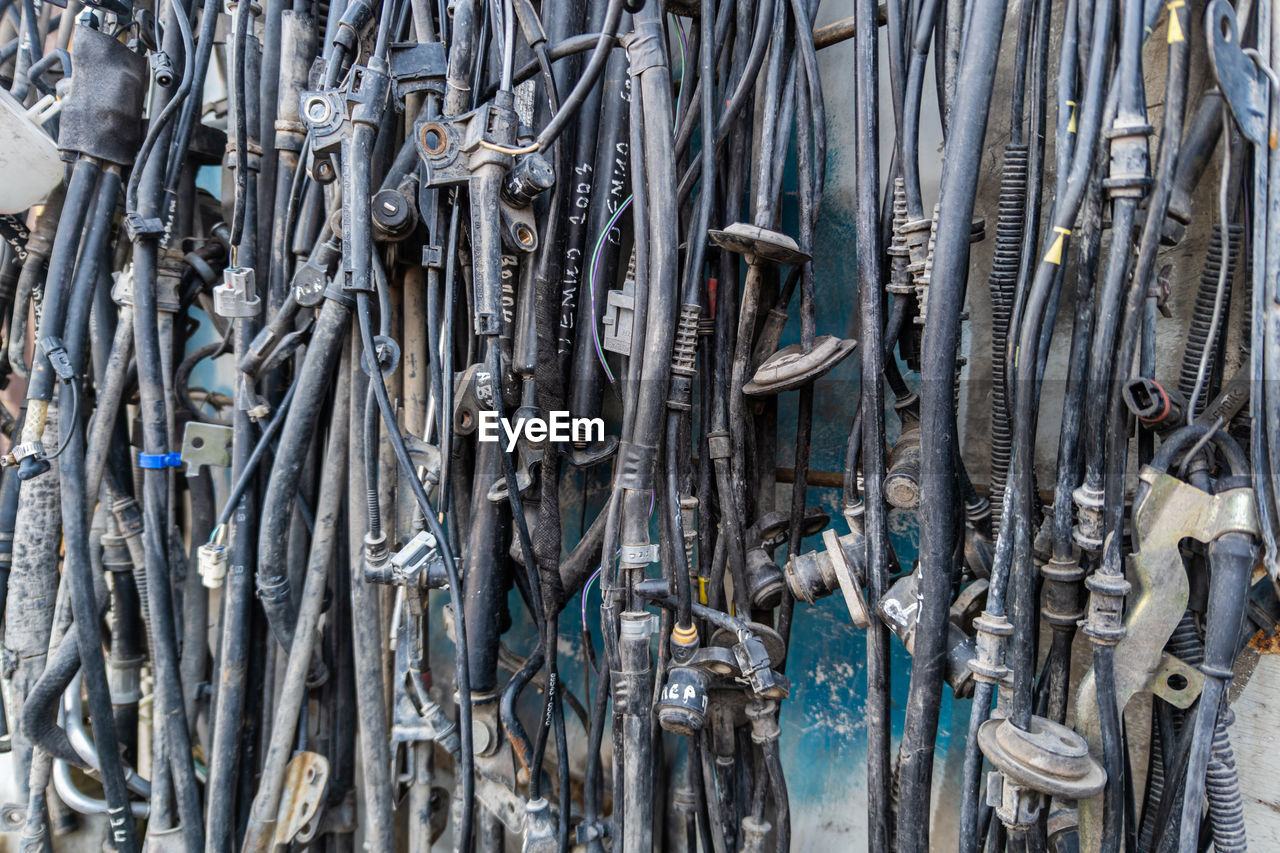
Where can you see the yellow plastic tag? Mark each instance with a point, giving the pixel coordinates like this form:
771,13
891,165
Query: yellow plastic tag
1054,255
1175,26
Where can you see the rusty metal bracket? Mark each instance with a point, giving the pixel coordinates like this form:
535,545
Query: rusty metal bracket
305,782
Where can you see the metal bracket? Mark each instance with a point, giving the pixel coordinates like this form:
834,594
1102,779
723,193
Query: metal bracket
1243,83
472,393
502,803
205,444
1168,512
1177,682
305,782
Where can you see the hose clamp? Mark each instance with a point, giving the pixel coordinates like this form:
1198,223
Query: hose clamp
20,452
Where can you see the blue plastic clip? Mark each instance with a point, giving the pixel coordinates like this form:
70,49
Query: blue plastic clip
159,460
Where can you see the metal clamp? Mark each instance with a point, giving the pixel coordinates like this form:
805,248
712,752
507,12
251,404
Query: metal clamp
638,555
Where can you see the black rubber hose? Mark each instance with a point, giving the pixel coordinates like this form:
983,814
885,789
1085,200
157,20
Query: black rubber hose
367,632
1130,119
587,80
1222,784
75,338
1130,115
1186,437
1231,558
580,160
581,563
591,787
521,746
536,582
293,689
38,247
1198,146
686,341
1036,134
76,566
245,476
239,135
811,152
1063,573
939,521
925,20
181,139
297,49
1073,410
268,84
1113,747
745,85
31,44
153,411
610,171
778,791
690,118
638,452
286,469
158,131
66,244
1117,439
763,32
550,395
40,710
226,764
871,412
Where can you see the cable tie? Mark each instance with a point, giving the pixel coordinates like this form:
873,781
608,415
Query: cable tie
159,460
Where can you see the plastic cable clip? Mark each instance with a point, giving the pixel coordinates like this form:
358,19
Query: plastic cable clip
159,460
53,350
137,226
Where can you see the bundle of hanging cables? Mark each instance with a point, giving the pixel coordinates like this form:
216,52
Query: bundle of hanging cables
423,418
